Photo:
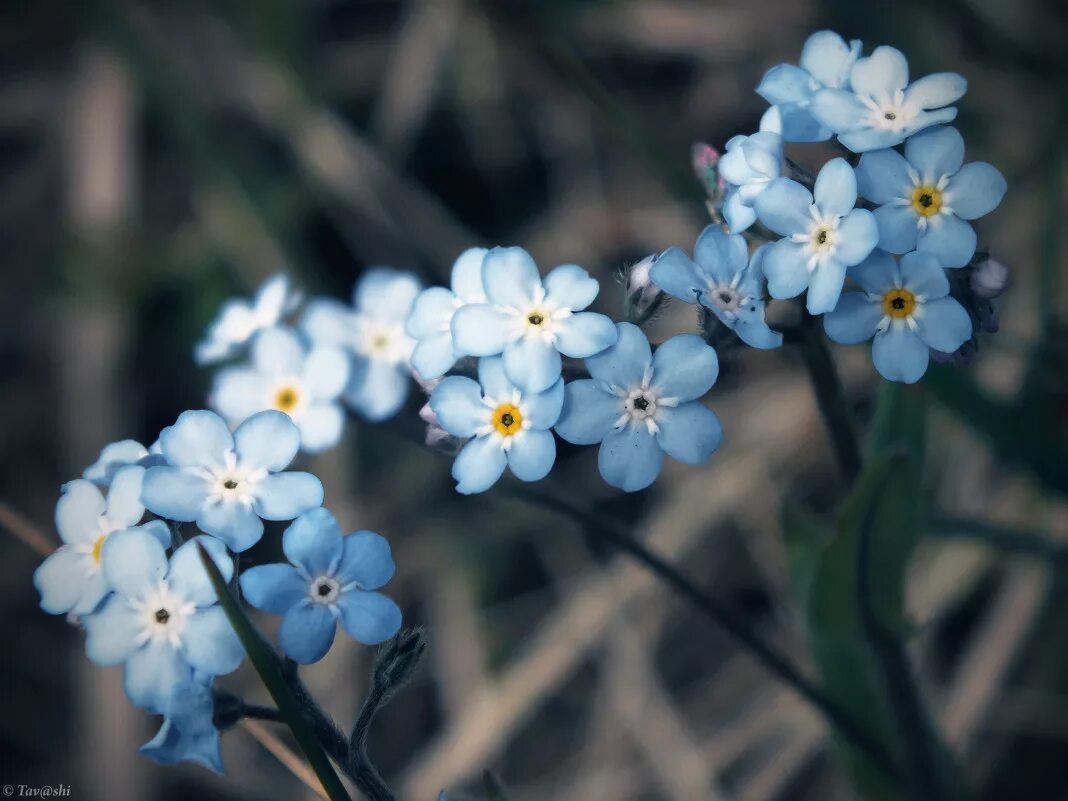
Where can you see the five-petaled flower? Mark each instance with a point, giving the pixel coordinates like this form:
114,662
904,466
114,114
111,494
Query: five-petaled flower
823,235
507,426
531,322
239,320
330,578
287,376
640,405
926,195
723,278
906,308
163,620
228,482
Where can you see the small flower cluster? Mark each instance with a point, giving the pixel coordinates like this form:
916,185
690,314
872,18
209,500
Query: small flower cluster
159,616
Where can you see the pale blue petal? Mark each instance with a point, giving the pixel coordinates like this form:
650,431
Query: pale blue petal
467,275
784,207
854,319
233,522
268,440
883,176
685,367
273,588
753,331
676,274
570,287
588,412
944,325
494,381
112,632
719,254
623,364
876,273
386,294
510,277
283,496
434,356
457,402
898,227
786,269
61,580
479,329
133,562
153,676
174,493
325,372
858,233
582,335
377,389
328,322
78,512
197,439
630,458
825,286
240,392
432,311
111,458
542,409
975,190
739,216
838,109
935,152
949,239
369,617
899,355
210,644
689,433
784,84
159,530
828,58
865,139
532,364
922,274
532,455
277,351
478,465
836,188
366,560
307,631
188,576
937,90
798,125
320,427
882,73
313,542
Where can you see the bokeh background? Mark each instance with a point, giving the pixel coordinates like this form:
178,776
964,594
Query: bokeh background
158,157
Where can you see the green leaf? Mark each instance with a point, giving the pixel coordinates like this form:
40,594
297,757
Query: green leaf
265,661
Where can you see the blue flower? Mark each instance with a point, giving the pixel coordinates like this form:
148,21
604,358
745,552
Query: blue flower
374,333
71,579
881,108
906,308
188,734
641,405
227,482
826,62
822,237
287,376
530,322
431,320
239,320
119,454
163,621
331,577
750,164
507,426
721,278
925,197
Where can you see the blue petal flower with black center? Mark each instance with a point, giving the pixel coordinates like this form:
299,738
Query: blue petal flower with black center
826,63
906,308
722,278
230,483
748,166
240,320
881,108
287,376
507,427
925,197
188,732
72,578
531,322
163,620
823,235
331,577
430,322
639,405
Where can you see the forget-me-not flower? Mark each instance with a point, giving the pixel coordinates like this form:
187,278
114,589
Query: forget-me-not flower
228,482
330,578
640,405
530,322
430,322
239,320
907,309
373,331
926,196
826,63
748,166
162,621
507,426
287,376
722,278
71,579
117,455
881,108
823,234
188,733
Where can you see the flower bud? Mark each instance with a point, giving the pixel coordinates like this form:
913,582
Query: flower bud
989,279
642,295
705,160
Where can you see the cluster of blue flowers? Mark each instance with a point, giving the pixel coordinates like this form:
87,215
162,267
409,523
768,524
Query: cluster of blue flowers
159,616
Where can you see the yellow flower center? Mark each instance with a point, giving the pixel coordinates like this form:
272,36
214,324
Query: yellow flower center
507,419
98,546
898,303
926,200
286,399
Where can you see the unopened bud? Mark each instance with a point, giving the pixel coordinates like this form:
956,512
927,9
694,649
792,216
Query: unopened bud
642,295
428,415
989,279
705,160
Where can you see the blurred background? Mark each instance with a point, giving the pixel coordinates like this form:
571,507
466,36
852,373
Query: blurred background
159,157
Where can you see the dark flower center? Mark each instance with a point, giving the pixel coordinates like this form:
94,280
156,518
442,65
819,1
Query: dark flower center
725,297
641,403
323,590
507,420
822,238
890,115
535,319
230,483
162,615
926,200
898,303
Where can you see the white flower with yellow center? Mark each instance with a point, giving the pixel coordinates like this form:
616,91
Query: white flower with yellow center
240,320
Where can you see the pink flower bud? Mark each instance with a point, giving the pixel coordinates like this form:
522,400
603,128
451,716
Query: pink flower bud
989,279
